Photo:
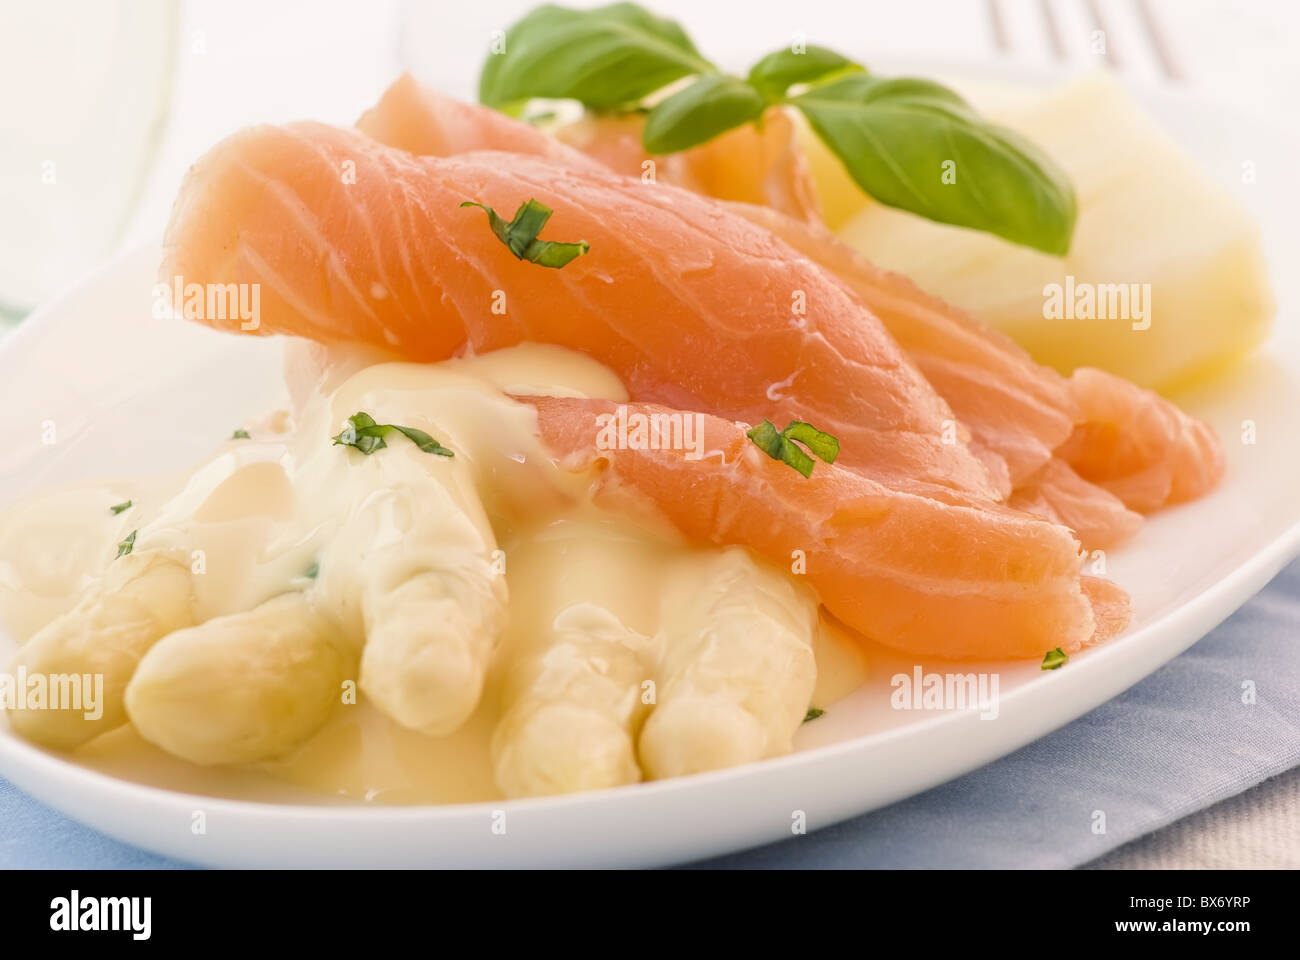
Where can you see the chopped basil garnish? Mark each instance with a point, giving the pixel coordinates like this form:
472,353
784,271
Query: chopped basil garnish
121,507
781,445
812,714
1054,659
520,235
367,436
127,545
240,434
313,571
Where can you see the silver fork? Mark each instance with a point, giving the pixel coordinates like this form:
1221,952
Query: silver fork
1152,29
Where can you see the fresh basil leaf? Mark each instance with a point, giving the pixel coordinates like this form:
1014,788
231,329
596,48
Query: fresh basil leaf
712,104
823,446
120,507
895,136
520,235
127,545
813,713
778,72
604,57
363,433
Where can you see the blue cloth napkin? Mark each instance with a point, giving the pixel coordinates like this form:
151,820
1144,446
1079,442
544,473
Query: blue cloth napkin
1179,741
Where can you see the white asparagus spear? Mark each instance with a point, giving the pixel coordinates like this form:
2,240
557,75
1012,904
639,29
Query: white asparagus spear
737,667
141,598
574,709
242,688
432,604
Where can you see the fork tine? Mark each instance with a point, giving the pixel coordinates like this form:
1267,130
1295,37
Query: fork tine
999,23
1159,42
1053,28
1110,55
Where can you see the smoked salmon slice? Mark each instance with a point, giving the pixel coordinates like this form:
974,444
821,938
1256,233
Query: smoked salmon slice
1017,412
411,117
1015,408
760,164
1097,517
922,576
691,305
750,164
1138,445
1093,448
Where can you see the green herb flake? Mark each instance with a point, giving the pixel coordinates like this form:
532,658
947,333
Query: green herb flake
812,714
313,571
1055,659
127,545
783,445
363,433
520,235
240,434
121,507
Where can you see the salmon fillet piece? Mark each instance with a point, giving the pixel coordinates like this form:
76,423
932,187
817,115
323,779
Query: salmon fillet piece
1097,517
411,117
1138,445
755,164
749,164
910,572
691,305
1015,413
1055,437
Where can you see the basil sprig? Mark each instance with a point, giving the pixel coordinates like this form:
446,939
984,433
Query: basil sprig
908,143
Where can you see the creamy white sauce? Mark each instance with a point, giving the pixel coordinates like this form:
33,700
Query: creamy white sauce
286,510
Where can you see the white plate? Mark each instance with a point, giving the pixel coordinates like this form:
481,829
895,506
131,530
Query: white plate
130,394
